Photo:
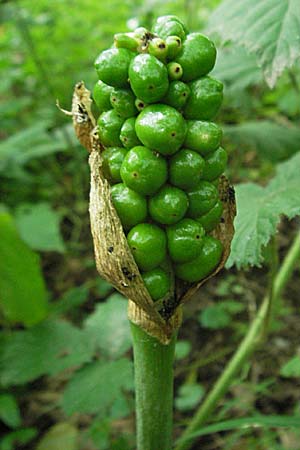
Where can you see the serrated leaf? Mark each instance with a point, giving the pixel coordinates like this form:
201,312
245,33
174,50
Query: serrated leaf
109,327
95,388
23,296
62,435
47,348
268,28
259,210
9,411
291,369
237,68
189,395
272,141
38,225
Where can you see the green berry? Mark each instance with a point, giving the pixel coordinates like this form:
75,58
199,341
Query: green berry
101,95
205,99
112,66
158,283
110,124
148,78
126,40
174,70
168,205
128,135
140,105
162,20
203,137
185,240
215,164
141,33
130,206
212,218
123,102
143,170
186,168
177,94
201,199
169,26
161,128
205,263
148,245
174,46
198,56
158,48
112,159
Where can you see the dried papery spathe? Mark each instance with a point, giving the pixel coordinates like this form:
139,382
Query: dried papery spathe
114,260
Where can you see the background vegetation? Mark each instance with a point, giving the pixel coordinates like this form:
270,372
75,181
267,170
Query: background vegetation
63,328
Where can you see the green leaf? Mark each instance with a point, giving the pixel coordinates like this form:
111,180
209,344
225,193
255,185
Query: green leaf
288,103
232,306
182,349
25,145
247,422
23,436
103,288
189,395
291,369
23,295
259,210
38,226
272,141
9,411
62,435
99,431
108,326
95,388
214,317
72,299
237,68
47,348
269,29
121,408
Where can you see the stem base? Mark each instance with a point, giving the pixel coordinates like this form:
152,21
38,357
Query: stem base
153,363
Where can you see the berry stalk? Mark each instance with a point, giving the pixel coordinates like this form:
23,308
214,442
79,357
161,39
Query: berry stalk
153,364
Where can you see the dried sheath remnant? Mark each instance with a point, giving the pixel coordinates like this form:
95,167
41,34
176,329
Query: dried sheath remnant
114,260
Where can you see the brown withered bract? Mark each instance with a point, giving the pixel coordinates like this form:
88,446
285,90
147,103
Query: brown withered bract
114,259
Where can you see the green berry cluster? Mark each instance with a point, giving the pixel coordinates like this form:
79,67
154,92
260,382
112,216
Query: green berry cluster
162,153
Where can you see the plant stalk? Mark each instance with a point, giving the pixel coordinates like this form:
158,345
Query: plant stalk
244,351
153,366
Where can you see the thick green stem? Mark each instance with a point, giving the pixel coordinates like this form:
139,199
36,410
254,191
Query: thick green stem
153,366
244,351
